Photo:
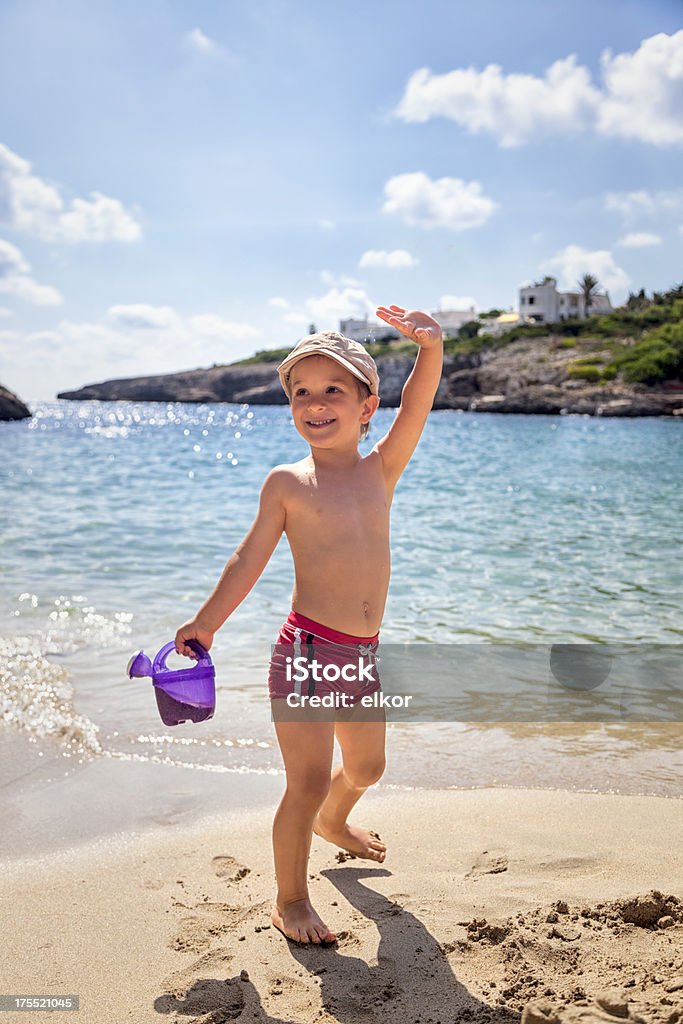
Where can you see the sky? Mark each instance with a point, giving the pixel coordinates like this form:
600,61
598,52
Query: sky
185,184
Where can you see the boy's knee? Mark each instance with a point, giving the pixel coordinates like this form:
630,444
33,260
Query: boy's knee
311,788
366,774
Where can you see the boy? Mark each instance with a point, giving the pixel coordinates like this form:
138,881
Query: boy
334,507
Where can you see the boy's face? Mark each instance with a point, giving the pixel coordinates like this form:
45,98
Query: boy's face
327,406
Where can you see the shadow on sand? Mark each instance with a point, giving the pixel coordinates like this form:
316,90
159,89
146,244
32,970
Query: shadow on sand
412,981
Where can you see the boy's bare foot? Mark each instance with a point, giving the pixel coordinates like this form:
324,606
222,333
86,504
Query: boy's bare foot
299,922
358,841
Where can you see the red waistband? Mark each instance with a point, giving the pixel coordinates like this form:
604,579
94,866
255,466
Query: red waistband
302,622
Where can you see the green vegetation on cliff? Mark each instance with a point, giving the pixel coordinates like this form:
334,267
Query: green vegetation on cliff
644,336
641,341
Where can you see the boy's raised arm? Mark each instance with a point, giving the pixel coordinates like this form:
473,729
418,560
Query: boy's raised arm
243,568
417,398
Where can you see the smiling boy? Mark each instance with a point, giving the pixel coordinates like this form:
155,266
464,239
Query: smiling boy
333,505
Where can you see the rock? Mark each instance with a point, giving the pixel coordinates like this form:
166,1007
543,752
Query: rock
244,975
665,922
463,382
539,1011
617,407
646,911
614,1000
528,376
564,932
12,407
487,403
675,984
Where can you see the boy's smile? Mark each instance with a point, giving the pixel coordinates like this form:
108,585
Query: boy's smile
319,423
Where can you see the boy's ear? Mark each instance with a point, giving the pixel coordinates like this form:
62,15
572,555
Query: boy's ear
370,407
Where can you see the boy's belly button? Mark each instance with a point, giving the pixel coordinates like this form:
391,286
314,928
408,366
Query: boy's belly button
366,608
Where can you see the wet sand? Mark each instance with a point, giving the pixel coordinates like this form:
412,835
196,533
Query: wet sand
491,904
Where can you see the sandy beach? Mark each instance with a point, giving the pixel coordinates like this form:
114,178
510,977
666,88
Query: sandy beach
491,903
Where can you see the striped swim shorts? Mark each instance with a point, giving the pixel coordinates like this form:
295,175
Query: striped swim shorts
314,660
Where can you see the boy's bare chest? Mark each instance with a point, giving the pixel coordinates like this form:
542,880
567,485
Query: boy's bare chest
365,504
344,507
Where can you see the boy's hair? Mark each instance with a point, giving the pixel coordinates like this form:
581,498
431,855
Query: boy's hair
364,392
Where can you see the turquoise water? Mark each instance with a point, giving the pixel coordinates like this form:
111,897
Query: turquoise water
117,519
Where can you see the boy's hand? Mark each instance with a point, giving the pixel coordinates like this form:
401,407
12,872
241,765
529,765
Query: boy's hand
192,630
419,327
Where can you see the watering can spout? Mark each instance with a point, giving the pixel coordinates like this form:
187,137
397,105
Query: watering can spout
139,665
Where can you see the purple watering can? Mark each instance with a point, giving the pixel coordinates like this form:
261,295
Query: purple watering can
186,694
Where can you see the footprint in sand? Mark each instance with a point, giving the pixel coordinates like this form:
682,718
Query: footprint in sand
192,936
228,867
488,863
211,920
204,988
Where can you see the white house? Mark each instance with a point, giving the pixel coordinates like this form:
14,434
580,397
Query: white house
543,303
451,320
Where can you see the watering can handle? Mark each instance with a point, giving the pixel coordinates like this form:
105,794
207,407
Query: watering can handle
160,660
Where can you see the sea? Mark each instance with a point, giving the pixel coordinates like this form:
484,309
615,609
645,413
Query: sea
116,520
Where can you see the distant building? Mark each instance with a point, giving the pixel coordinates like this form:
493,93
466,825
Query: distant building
544,304
497,325
451,320
366,329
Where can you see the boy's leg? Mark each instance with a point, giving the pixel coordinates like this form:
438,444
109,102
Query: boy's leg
307,753
362,745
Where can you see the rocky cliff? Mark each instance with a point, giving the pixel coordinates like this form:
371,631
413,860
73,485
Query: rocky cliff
11,407
531,375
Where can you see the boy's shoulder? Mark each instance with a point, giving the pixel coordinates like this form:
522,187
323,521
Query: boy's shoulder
287,474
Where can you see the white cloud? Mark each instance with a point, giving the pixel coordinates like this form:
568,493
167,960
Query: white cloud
27,203
640,239
28,290
15,279
457,302
4,311
514,107
209,325
336,304
573,262
200,41
160,340
630,204
143,317
444,203
641,97
339,280
278,302
636,205
393,260
164,319
327,225
11,260
345,297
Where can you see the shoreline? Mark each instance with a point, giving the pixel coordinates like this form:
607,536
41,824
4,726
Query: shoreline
57,811
459,919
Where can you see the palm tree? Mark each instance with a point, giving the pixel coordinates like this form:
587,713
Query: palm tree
588,286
